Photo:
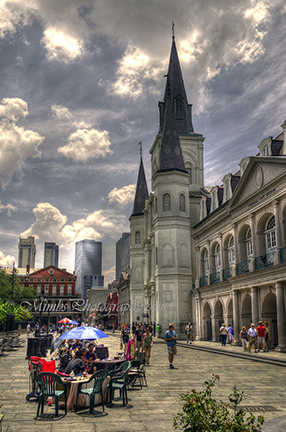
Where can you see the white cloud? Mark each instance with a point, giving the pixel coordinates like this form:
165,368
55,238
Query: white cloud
13,14
135,71
61,46
51,225
86,144
8,207
62,113
16,144
6,260
109,275
122,196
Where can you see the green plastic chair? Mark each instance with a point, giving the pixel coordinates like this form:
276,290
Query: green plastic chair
119,382
98,378
47,382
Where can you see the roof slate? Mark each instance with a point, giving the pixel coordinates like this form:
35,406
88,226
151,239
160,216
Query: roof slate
141,194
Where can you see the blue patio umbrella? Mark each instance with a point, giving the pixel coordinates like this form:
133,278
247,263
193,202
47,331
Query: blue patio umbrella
84,333
74,322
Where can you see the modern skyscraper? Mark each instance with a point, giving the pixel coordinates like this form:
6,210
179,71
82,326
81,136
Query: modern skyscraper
51,254
122,254
88,261
27,252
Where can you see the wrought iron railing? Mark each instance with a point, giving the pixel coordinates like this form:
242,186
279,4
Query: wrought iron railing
214,278
283,255
203,281
227,273
242,268
264,261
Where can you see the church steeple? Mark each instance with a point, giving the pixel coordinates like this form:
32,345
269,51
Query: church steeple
141,194
182,110
171,157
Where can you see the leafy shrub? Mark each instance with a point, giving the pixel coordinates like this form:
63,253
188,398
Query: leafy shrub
202,413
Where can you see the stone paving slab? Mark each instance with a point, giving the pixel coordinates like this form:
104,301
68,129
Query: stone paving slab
151,408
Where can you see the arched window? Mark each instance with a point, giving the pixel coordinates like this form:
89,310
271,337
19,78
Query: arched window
166,202
217,258
248,242
179,108
270,234
137,237
231,253
206,263
182,203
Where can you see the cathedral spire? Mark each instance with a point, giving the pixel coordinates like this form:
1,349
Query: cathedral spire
182,110
171,157
141,194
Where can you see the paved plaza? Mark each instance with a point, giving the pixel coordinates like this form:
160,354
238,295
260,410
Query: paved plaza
153,407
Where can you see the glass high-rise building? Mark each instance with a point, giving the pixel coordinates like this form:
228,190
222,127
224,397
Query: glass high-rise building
51,254
26,252
122,254
88,263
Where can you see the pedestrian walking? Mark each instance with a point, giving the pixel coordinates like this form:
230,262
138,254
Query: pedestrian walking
267,337
124,336
251,337
158,330
223,334
189,332
171,339
261,335
19,330
243,337
147,344
28,330
230,333
138,337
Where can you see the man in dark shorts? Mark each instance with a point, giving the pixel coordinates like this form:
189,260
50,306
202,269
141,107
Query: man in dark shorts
138,335
171,339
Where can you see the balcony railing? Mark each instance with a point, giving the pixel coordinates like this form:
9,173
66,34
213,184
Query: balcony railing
203,281
242,268
283,255
226,274
264,261
215,278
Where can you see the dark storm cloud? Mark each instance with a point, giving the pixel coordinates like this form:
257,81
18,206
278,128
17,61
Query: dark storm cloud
92,65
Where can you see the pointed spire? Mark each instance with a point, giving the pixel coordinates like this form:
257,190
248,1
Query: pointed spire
141,194
171,157
183,116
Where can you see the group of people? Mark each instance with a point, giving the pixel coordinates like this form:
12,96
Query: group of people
142,333
257,337
83,359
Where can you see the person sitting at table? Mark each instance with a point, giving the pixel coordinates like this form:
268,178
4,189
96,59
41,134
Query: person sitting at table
90,355
76,364
77,345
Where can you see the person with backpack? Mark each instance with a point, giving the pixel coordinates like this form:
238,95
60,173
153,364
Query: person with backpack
230,333
124,337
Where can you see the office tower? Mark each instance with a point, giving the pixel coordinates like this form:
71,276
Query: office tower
88,259
51,254
27,252
122,254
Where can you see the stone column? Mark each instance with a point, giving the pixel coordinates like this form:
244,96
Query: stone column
237,257
199,319
278,231
280,317
215,336
254,306
198,261
254,245
236,326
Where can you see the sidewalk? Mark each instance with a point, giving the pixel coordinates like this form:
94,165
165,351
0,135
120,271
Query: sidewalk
154,407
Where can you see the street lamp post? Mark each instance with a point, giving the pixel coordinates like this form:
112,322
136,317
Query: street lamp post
49,305
41,299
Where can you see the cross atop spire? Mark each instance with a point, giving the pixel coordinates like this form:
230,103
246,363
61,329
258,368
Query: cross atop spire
173,30
140,144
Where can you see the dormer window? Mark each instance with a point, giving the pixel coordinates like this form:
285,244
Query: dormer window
179,108
266,151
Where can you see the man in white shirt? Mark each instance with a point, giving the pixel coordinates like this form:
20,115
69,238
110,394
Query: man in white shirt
251,337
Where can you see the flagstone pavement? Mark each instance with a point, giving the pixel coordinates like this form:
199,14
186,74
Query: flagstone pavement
151,408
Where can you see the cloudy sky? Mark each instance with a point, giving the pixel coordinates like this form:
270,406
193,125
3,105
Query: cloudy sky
80,81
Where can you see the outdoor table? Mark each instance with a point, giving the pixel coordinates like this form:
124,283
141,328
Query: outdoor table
107,364
83,401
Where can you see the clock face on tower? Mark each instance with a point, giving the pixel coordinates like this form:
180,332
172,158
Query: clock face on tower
51,271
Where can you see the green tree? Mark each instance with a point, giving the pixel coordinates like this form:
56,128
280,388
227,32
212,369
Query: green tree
19,312
20,293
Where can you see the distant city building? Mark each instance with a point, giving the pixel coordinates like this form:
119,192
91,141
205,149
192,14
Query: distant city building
122,254
27,252
51,254
88,261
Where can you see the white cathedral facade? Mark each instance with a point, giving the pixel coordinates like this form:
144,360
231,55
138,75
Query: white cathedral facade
207,256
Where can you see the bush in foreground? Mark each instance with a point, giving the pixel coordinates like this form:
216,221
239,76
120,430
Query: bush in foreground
202,413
